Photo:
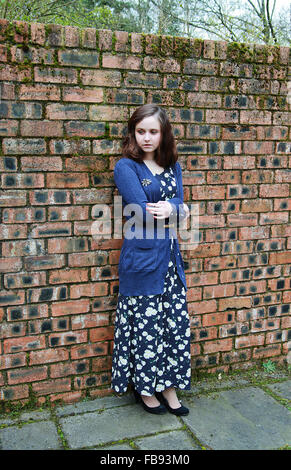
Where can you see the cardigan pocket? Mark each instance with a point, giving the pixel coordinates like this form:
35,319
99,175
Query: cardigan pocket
140,255
144,259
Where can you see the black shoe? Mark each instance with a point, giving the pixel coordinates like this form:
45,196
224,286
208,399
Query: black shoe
156,410
182,411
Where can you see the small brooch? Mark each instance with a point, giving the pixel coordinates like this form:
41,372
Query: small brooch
146,182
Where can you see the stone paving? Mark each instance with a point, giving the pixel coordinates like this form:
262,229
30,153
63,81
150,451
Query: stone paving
248,411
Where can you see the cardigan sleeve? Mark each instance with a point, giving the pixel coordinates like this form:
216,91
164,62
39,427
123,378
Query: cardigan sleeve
130,188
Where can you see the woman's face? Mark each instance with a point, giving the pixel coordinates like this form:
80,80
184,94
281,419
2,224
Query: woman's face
148,135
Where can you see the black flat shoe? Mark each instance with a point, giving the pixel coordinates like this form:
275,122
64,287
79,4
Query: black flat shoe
156,410
182,411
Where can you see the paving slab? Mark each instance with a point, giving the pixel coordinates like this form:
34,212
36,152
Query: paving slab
35,415
282,389
206,386
7,421
91,429
33,436
93,405
246,419
173,440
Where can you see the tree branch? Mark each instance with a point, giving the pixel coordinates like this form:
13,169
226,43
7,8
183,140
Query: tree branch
270,21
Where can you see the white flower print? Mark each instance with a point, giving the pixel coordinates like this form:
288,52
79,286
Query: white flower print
148,354
150,311
171,323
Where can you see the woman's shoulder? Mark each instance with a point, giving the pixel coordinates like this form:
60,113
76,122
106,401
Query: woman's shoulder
177,166
125,161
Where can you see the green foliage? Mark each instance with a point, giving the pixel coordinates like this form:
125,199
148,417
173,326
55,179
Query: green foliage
269,366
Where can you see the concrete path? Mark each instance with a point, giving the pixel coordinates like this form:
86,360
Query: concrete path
248,411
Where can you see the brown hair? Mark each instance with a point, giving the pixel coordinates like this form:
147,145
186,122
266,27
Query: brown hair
166,154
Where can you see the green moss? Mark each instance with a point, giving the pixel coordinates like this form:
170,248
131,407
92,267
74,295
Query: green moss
178,97
182,49
240,52
16,407
114,41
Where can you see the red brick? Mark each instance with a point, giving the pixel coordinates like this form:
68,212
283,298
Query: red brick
89,290
43,163
103,78
69,368
101,363
92,380
68,338
55,75
136,42
71,36
101,334
48,355
26,375
88,37
14,73
14,393
83,95
41,128
215,292
89,350
10,297
8,127
274,190
236,356
51,386
280,258
26,343
70,307
37,33
219,345
267,351
15,231
121,62
248,341
234,302
220,318
10,361
105,39
90,320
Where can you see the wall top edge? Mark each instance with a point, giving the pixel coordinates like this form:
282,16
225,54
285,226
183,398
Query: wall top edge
63,36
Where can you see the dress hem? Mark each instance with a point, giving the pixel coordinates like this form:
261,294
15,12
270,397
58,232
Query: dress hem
175,385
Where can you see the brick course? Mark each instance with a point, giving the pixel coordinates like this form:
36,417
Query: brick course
63,114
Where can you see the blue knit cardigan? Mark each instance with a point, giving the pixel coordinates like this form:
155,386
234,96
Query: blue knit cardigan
143,262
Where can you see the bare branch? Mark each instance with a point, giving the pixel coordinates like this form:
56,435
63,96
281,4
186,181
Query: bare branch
270,22
258,13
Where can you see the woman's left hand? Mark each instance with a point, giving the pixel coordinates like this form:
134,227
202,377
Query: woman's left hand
160,209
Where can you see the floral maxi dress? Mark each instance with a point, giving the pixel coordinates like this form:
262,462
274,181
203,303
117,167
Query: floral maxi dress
152,333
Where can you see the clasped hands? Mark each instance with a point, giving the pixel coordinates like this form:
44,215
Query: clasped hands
163,209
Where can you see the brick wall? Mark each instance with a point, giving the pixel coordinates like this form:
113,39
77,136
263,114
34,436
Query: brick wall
66,96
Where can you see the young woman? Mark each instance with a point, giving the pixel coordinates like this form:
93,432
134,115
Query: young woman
152,333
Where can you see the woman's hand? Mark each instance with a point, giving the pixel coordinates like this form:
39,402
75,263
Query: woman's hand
160,209
163,209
